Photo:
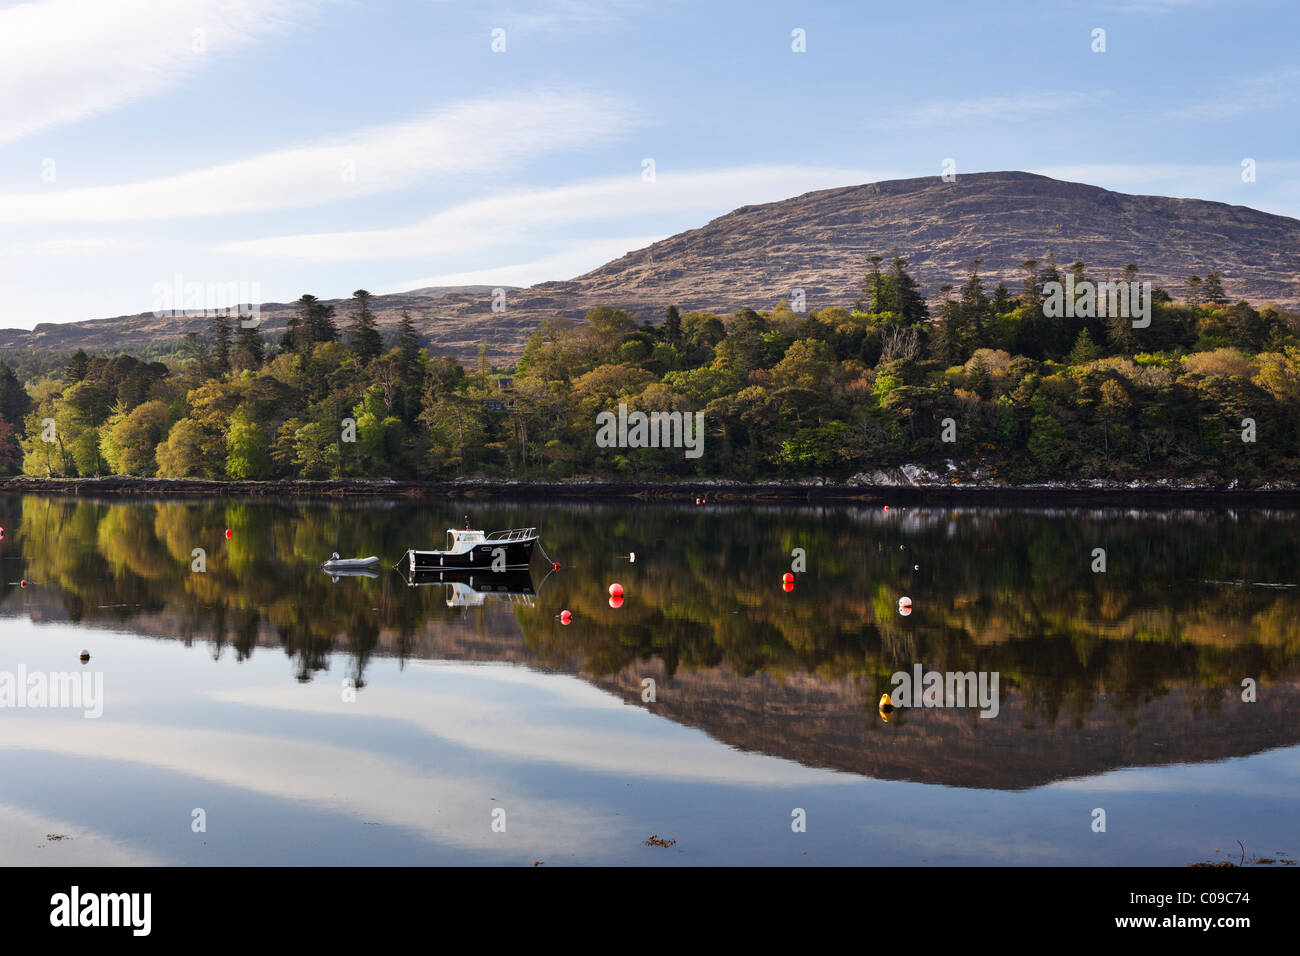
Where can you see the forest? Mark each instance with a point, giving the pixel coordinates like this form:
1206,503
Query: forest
983,385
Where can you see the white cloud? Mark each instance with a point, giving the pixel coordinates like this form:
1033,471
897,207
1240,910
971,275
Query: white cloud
71,246
476,136
77,58
513,217
1275,90
1013,108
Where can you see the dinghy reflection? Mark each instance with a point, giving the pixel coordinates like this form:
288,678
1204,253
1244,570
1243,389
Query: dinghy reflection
466,588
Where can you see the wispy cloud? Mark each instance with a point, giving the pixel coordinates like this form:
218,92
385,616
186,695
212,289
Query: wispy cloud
79,58
1012,108
519,216
1276,90
71,246
476,136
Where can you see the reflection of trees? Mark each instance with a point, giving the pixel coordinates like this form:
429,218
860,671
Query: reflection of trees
994,590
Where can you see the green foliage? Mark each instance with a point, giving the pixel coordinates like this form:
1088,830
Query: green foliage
834,392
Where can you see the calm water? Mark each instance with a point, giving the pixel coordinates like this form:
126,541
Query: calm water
227,693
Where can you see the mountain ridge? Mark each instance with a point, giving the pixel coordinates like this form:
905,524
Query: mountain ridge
819,242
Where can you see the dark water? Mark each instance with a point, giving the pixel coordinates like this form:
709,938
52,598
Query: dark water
306,720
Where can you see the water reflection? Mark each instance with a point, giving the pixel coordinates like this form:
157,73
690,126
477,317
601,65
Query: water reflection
1141,665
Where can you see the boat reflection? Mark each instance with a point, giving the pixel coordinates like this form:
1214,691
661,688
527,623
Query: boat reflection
472,588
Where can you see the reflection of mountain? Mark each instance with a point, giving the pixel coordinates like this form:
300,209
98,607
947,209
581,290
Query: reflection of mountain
1163,635
831,723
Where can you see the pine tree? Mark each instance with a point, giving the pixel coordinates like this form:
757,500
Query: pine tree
946,345
1002,302
1194,295
220,345
1212,290
1031,292
14,400
77,367
1084,351
408,360
875,295
909,302
363,337
250,350
315,323
672,328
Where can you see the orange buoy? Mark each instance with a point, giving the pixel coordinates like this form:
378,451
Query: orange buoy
616,590
616,601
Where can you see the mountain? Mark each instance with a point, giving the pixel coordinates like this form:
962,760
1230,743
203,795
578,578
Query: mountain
819,242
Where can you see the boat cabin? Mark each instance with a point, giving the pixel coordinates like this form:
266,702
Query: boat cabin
461,540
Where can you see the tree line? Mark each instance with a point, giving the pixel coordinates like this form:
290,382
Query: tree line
986,385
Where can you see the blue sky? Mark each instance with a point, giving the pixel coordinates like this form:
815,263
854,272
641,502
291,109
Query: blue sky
326,145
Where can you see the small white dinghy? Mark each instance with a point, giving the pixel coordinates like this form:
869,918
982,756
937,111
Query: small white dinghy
335,563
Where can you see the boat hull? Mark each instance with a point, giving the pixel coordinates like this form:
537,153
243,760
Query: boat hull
507,555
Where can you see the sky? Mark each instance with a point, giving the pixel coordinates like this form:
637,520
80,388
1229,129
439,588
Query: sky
327,145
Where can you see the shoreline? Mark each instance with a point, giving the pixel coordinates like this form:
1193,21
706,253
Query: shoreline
726,492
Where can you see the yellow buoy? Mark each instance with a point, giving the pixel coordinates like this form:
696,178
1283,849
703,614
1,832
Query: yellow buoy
886,707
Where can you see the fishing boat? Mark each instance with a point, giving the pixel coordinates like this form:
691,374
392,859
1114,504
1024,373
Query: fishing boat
469,548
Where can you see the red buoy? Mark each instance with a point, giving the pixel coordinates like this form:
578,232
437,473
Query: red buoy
22,583
555,565
616,590
788,578
787,586
565,617
229,534
616,601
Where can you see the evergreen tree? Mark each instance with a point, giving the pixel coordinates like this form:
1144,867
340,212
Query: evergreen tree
220,345
1212,290
975,306
1031,292
408,360
363,337
672,328
947,343
909,302
1084,351
250,350
1194,296
1002,302
875,293
315,324
14,400
77,366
